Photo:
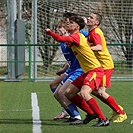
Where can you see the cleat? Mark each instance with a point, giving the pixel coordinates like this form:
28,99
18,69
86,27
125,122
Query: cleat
106,123
89,117
101,122
76,121
114,114
62,115
70,119
121,118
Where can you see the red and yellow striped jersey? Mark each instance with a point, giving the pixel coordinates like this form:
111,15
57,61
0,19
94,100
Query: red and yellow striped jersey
81,49
95,37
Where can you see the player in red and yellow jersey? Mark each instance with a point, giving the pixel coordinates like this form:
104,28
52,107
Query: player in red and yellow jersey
91,67
97,42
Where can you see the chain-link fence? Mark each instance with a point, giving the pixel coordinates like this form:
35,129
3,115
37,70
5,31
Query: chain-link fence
116,25
3,39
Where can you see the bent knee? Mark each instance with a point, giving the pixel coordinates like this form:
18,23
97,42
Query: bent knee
51,85
68,94
101,92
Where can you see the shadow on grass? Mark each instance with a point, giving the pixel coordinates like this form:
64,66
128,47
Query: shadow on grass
16,121
49,122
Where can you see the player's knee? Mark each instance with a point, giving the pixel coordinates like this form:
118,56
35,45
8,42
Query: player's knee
82,94
51,85
60,93
68,94
101,92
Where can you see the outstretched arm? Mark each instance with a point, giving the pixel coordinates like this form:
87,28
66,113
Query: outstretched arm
59,38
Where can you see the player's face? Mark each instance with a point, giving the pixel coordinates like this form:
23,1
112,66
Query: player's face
72,26
61,30
92,21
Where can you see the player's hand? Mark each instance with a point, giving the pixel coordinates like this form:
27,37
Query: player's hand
46,30
85,19
59,72
65,67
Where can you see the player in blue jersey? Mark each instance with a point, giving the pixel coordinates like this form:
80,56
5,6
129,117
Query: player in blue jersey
71,74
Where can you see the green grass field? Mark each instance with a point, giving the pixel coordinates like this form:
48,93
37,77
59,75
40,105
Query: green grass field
16,109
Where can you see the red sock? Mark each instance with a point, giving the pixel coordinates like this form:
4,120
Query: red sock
113,105
81,103
94,106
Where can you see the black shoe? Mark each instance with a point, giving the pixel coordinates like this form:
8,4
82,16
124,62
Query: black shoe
101,122
89,117
69,120
106,123
76,121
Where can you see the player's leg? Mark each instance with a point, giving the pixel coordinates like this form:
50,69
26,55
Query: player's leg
69,107
73,74
63,114
108,99
53,86
111,102
71,93
86,94
91,82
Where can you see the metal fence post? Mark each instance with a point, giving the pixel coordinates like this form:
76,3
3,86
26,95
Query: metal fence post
11,7
34,41
16,35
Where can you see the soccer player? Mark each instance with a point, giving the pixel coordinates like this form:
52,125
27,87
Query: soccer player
71,74
68,54
91,67
97,42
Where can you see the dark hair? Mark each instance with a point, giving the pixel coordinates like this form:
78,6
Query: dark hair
78,20
69,14
98,17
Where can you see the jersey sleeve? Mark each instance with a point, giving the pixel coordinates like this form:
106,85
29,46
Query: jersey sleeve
73,38
96,39
76,38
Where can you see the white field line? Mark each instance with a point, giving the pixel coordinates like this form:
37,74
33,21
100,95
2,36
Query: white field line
35,114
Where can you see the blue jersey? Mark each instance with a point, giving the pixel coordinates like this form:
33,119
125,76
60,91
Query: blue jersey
85,33
69,56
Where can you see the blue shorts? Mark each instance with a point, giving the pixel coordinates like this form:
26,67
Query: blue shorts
72,74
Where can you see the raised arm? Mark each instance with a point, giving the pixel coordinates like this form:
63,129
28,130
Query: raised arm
72,39
59,38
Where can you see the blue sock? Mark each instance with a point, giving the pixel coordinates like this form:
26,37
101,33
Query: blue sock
69,112
73,109
53,90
